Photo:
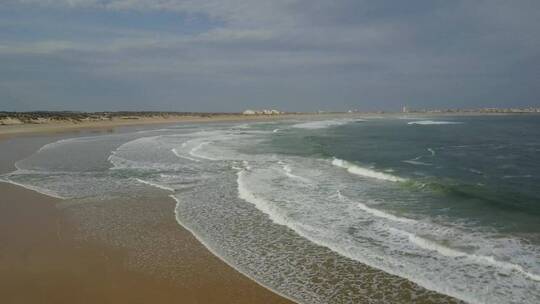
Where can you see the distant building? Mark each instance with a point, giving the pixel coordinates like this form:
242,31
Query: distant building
405,109
262,112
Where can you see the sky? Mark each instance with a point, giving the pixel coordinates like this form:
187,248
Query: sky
292,55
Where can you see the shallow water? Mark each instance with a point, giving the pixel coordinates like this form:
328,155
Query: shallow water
450,203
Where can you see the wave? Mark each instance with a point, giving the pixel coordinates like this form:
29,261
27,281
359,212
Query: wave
357,170
277,217
407,118
433,122
67,141
376,212
242,126
428,244
175,152
417,163
162,187
323,124
194,153
288,172
56,143
475,171
261,204
517,176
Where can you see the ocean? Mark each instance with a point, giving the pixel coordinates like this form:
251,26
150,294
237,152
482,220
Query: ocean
345,210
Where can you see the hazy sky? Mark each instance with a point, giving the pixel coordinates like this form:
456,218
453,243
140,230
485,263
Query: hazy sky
228,55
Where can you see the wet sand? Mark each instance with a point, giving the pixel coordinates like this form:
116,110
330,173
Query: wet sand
44,260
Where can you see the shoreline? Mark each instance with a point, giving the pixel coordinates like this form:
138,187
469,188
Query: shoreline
10,131
53,254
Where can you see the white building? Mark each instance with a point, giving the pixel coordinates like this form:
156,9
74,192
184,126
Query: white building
262,112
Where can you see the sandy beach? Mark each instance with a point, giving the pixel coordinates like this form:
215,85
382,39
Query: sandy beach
50,254
67,126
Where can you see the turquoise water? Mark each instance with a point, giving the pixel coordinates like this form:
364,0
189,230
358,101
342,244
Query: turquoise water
449,203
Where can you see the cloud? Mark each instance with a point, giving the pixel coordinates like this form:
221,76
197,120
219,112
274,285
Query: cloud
299,55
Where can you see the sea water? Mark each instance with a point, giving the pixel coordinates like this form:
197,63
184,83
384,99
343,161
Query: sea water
450,204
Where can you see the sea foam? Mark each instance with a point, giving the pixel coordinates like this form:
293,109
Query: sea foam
162,187
175,152
434,122
288,172
357,170
376,212
324,124
428,244
265,206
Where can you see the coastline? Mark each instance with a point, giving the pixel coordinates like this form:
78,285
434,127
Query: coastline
61,127
54,254
9,131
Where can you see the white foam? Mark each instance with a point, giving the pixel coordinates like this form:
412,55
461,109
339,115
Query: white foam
175,152
376,212
162,187
242,126
475,171
434,122
431,151
323,124
288,172
65,141
517,176
408,118
261,204
275,130
194,151
417,163
357,170
450,252
428,244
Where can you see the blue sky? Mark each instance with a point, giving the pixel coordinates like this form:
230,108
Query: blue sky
295,55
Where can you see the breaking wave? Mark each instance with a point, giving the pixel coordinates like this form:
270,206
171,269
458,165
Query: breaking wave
434,122
312,125
365,172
